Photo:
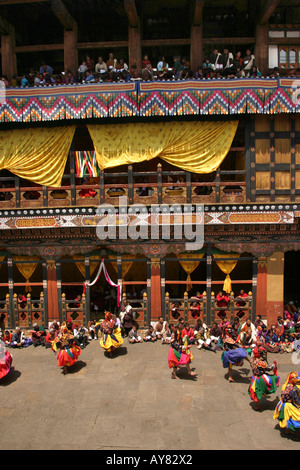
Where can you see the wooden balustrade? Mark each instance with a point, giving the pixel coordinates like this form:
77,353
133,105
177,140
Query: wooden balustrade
76,309
137,187
181,307
28,312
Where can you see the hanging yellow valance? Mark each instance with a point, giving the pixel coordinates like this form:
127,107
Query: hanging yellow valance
94,261
196,146
126,265
189,266
227,267
36,154
26,269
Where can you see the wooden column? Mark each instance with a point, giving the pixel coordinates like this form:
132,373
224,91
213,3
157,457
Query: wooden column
196,48
70,50
275,286
8,56
261,50
134,46
134,34
155,289
53,312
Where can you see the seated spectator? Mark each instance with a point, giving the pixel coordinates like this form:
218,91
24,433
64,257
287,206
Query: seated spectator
111,62
207,64
237,60
14,81
188,332
22,301
177,67
55,326
46,69
174,307
286,342
162,64
146,63
89,64
48,80
248,61
279,325
18,338
166,339
69,79
215,60
24,81
160,327
133,336
38,79
101,66
38,335
254,72
195,309
50,337
272,341
89,77
199,75
150,335
226,59
80,336
7,337
82,71
134,72
204,340
247,335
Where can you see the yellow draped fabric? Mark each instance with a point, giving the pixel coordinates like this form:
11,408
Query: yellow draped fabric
26,269
36,154
81,265
189,266
126,265
227,267
196,146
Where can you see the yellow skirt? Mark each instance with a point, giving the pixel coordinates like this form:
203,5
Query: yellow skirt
288,415
112,341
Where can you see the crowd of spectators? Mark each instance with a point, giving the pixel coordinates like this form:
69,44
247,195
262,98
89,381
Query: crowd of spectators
218,65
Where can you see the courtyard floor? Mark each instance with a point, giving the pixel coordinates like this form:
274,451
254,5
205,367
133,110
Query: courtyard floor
130,402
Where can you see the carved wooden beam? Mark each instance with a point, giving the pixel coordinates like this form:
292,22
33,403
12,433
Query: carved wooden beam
199,4
62,14
267,10
131,13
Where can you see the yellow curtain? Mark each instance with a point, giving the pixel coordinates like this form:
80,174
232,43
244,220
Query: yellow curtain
227,267
196,146
126,265
26,269
189,266
36,154
81,265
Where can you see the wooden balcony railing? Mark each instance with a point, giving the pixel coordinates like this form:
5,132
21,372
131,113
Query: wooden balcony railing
147,188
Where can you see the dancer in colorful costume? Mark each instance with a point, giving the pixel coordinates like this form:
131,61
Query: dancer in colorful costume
287,410
67,351
179,353
111,333
265,378
5,360
233,355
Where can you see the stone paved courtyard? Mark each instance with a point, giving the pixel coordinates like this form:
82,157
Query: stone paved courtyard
130,402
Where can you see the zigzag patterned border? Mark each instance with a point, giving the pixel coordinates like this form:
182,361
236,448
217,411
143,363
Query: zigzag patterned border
170,98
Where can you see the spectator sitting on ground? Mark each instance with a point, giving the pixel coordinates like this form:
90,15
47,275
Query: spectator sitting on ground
160,328
167,335
133,336
7,337
38,335
80,336
188,332
18,339
150,335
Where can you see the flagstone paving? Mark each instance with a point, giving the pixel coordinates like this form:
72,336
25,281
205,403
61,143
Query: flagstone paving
130,402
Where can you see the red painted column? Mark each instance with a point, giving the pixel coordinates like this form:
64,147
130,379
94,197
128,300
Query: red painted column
155,289
53,312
